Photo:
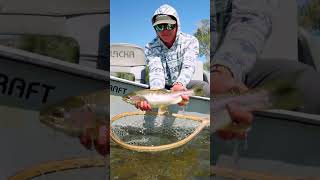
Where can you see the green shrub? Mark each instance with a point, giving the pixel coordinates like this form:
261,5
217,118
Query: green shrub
127,76
59,47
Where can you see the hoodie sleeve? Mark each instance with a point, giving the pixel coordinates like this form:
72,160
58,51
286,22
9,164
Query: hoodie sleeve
244,37
156,71
188,64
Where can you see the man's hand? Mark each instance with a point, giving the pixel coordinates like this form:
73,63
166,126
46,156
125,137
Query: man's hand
144,106
180,87
241,117
100,142
93,133
222,83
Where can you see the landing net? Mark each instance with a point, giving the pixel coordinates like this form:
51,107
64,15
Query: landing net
153,131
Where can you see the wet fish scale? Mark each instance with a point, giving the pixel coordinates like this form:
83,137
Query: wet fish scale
157,98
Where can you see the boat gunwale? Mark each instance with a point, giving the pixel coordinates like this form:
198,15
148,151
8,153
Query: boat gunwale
26,57
63,14
292,116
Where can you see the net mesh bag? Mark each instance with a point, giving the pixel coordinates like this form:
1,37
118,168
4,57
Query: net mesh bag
151,131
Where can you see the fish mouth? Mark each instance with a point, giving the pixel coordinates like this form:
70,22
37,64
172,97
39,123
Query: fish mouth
126,99
130,98
57,112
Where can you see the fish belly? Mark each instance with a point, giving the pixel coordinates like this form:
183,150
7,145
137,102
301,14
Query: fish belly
163,101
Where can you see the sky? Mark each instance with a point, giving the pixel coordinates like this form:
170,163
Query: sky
130,20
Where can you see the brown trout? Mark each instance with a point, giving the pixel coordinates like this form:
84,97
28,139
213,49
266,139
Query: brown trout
277,94
157,98
76,114
85,117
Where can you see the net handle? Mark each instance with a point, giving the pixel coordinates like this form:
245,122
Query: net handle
204,122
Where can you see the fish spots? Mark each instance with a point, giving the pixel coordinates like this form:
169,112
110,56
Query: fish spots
23,89
118,89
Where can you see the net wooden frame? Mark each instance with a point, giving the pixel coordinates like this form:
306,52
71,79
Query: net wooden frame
227,172
59,165
203,123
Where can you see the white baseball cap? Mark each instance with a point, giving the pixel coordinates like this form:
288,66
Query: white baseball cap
163,19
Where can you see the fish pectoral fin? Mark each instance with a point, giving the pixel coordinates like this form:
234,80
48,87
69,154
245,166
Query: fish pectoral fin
163,110
178,100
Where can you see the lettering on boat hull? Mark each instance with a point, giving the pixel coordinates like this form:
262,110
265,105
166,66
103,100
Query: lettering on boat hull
19,87
122,54
118,89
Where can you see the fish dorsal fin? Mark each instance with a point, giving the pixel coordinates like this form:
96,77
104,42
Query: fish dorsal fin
232,92
160,91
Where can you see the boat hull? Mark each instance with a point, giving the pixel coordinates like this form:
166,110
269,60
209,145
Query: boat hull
33,82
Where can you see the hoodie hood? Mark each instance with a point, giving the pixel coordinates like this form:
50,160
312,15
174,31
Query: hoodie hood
167,10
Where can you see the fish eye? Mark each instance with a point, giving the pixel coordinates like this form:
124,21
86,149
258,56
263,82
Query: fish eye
58,112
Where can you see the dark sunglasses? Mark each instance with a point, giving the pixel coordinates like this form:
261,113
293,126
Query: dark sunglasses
161,27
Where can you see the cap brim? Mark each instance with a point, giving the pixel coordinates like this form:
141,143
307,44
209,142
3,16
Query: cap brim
165,21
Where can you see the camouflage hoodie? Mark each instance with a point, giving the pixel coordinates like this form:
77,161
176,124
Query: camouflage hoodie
177,64
239,31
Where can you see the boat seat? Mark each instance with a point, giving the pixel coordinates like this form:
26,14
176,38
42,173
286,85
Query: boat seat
127,58
287,40
309,48
282,42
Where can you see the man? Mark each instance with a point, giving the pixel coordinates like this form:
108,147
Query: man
171,56
241,29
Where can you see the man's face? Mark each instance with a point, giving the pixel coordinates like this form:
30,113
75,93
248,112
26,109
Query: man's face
167,32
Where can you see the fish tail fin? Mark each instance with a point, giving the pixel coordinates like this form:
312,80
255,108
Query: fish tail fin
190,92
283,93
198,91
